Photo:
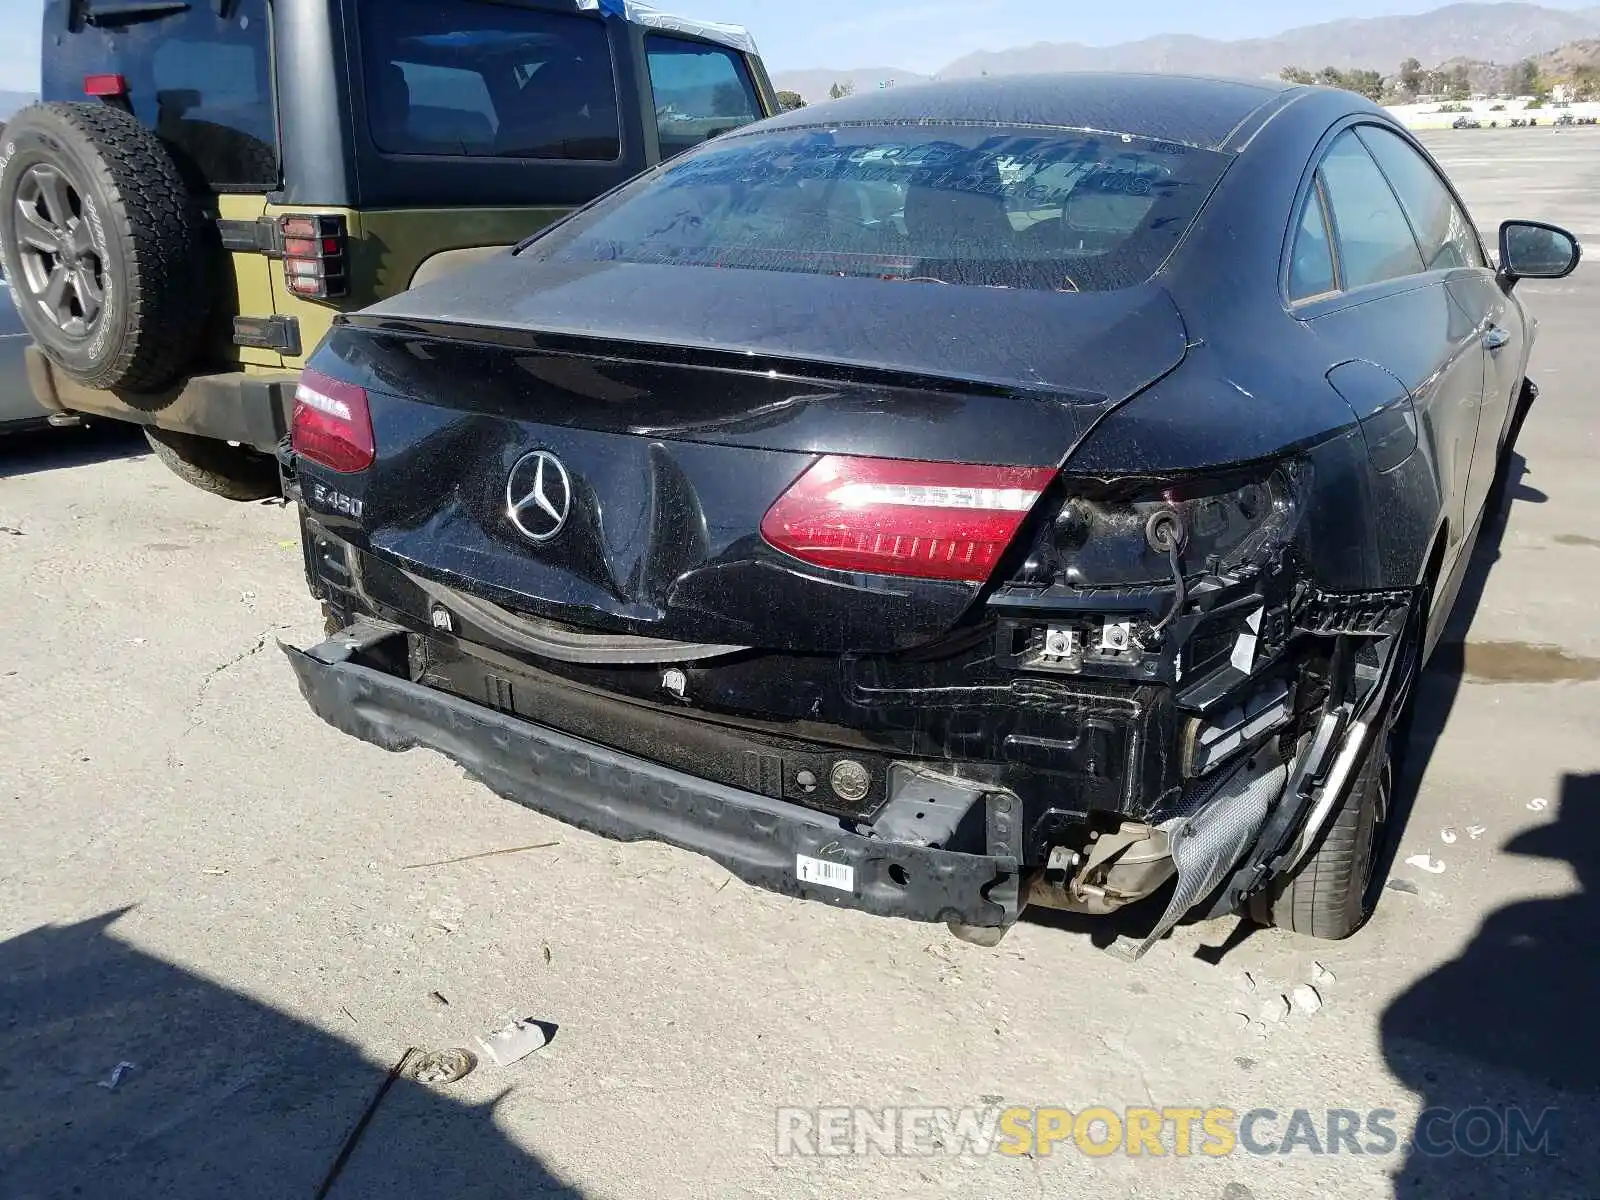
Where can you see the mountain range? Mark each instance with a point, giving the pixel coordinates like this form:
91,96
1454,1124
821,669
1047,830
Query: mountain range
1503,33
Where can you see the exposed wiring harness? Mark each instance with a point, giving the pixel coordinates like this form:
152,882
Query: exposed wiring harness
1164,531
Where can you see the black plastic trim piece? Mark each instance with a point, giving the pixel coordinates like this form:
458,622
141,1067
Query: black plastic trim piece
260,236
549,640
268,333
108,15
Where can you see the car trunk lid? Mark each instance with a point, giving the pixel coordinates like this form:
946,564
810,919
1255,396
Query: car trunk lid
587,450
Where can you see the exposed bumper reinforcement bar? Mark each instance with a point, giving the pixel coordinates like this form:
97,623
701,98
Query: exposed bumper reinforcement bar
630,799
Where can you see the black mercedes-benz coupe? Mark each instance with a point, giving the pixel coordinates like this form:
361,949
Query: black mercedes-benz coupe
1004,492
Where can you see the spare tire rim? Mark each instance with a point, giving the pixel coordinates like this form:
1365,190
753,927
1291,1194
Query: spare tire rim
63,266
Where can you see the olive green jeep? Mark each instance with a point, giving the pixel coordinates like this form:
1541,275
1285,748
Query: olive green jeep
206,184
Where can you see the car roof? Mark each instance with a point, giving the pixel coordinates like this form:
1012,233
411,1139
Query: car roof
734,36
1191,110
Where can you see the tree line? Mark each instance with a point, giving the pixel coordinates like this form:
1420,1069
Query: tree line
1452,83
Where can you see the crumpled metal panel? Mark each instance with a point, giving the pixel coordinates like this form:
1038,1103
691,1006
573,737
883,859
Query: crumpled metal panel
1207,842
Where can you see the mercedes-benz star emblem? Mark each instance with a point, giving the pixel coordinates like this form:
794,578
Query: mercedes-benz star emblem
538,495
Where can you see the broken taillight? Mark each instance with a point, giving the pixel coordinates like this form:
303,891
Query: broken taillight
315,258
927,520
332,424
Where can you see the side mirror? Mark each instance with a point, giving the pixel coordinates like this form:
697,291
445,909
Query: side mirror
1534,250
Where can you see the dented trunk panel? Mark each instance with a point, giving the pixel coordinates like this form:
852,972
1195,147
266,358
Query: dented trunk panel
676,442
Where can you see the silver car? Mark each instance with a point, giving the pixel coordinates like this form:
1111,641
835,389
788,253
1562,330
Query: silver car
18,408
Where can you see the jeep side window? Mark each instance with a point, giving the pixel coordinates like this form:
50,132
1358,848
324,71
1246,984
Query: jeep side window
700,91
205,84
488,80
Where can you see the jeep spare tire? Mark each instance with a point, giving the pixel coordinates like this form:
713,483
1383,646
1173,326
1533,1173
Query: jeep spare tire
101,245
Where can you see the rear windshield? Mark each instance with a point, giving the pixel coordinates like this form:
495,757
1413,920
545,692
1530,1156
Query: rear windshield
488,80
200,75
998,207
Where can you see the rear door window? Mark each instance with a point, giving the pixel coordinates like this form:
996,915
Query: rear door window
488,80
1374,238
1311,259
700,91
1446,235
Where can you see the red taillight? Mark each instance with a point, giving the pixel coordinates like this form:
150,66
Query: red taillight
929,520
332,424
314,258
105,85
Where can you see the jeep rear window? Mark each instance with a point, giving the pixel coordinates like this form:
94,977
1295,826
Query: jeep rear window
203,82
488,80
700,91
997,207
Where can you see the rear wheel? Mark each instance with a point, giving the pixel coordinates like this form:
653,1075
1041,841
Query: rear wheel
1326,895
232,472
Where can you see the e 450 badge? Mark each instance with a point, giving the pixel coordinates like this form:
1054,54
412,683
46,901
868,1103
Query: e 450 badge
329,500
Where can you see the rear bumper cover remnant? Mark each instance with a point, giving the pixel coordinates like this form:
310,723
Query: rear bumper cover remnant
627,798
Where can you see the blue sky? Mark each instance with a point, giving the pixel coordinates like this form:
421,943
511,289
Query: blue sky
903,33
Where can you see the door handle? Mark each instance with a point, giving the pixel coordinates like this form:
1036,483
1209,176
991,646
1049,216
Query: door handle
1496,338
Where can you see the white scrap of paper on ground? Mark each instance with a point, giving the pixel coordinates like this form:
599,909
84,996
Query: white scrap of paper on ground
513,1043
1275,1009
839,876
1538,804
1307,999
1425,862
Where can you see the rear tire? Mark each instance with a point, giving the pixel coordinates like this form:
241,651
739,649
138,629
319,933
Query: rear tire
101,245
232,472
1326,895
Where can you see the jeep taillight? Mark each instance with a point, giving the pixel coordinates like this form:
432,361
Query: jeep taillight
106,87
332,424
315,255
928,520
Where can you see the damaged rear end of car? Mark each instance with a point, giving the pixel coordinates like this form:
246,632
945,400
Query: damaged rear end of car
923,687
804,571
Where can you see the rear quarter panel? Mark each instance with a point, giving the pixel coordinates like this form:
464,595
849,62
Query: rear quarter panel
247,287
1254,385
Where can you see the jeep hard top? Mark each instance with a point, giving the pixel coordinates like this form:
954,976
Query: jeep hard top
206,184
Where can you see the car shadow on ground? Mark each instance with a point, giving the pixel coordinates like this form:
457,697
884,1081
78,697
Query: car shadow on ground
34,450
225,1097
1499,1043
1435,698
